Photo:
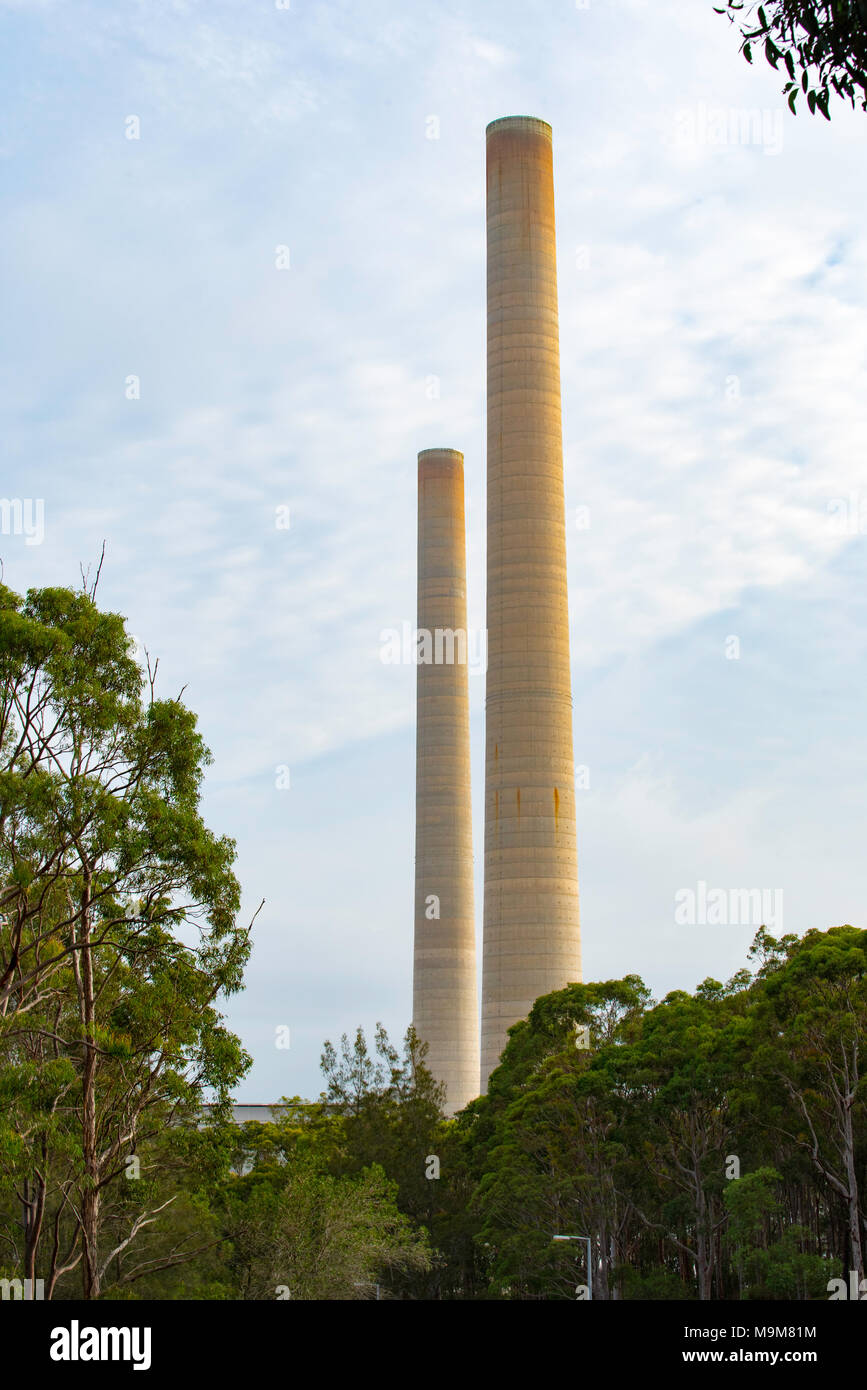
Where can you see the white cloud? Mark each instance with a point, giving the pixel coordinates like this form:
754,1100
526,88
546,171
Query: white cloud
713,367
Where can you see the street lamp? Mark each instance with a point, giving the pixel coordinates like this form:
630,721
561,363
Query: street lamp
586,1240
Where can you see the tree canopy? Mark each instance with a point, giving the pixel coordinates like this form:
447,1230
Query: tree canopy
119,933
821,44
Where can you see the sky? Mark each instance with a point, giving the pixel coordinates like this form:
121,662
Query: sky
243,285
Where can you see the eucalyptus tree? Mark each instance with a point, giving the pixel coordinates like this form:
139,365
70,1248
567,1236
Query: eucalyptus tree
119,927
822,45
811,1051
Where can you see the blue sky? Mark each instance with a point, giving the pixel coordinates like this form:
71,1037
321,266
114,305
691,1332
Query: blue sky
712,299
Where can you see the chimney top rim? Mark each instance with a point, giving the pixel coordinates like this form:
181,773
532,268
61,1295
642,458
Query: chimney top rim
423,453
519,122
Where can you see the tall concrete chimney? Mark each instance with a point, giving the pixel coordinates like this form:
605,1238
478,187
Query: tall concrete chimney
445,998
531,925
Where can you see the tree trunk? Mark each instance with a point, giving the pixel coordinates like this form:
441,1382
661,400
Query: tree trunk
34,1211
601,1280
90,1198
853,1204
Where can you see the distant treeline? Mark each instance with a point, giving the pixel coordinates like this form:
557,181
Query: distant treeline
711,1146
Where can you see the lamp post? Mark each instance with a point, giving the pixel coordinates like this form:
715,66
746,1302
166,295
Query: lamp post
586,1240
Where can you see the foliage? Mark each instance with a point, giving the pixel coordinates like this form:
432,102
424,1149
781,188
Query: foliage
303,1234
118,933
710,1146
827,38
